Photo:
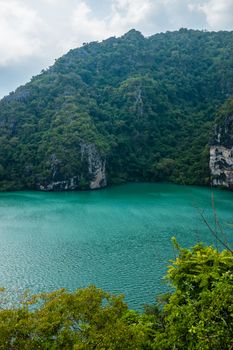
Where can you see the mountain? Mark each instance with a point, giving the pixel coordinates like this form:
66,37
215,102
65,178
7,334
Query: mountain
125,109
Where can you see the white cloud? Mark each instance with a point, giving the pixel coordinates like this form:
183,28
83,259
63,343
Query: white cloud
123,15
219,14
85,26
17,31
126,13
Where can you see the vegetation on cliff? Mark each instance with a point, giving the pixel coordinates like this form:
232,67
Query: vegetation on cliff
224,124
197,314
146,104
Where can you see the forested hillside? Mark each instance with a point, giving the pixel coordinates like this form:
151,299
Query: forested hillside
125,109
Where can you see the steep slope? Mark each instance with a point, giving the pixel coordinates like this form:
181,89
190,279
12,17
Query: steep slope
221,150
125,109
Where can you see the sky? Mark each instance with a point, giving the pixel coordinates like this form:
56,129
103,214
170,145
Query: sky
35,32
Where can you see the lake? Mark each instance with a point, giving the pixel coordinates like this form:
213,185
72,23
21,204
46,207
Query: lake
118,238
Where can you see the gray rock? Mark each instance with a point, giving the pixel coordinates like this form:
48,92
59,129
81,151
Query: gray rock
96,175
221,155
96,166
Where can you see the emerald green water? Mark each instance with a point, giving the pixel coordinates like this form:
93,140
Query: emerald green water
117,238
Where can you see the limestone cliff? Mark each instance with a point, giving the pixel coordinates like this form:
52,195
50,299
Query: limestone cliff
221,154
93,177
96,166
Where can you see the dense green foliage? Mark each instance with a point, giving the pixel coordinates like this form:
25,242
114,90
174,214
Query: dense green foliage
148,104
198,314
224,124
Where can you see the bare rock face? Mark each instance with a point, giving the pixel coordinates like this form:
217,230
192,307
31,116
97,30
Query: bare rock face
95,177
96,166
65,185
221,155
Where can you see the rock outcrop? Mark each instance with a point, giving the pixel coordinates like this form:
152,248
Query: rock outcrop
96,166
65,185
95,177
221,155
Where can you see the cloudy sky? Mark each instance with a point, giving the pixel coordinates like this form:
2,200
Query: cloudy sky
35,32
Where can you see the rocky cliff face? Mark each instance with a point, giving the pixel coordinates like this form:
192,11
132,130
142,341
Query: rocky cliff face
96,166
221,155
94,178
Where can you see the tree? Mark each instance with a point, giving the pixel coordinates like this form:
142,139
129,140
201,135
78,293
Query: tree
199,313
86,319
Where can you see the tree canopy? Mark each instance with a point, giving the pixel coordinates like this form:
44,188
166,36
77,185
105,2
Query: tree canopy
197,313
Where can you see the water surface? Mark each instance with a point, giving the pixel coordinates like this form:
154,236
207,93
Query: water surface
117,238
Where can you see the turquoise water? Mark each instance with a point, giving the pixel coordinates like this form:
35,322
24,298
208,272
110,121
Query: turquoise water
117,238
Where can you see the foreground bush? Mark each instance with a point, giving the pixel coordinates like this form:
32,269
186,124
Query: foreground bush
198,314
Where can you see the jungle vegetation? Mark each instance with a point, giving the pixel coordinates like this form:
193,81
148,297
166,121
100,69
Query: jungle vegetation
147,104
197,313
